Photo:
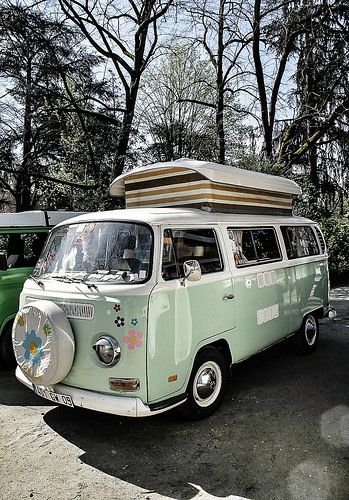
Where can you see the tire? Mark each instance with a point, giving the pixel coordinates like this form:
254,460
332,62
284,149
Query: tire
207,384
307,337
43,342
7,356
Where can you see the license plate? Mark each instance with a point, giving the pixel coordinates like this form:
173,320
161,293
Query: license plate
62,399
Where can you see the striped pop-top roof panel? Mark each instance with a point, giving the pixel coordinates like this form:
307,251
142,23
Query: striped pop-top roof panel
203,184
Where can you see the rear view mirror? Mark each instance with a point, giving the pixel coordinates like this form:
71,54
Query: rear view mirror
192,271
3,262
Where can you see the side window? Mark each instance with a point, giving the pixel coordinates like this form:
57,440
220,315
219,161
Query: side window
180,245
254,246
22,250
300,241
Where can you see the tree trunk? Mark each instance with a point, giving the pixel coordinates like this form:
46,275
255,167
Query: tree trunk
267,131
23,198
124,137
220,137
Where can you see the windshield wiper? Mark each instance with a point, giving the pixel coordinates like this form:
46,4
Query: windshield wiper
63,277
38,282
90,285
69,279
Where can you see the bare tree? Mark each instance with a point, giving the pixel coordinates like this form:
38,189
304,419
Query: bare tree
216,29
126,34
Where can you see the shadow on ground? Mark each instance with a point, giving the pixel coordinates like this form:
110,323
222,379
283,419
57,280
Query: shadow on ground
265,441
13,393
281,433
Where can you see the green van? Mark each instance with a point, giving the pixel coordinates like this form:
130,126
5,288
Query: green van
137,311
22,237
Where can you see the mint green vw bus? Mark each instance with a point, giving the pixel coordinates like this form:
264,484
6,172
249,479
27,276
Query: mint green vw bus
136,311
22,237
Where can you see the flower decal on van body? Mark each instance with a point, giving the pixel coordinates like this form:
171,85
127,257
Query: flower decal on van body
119,321
32,345
133,339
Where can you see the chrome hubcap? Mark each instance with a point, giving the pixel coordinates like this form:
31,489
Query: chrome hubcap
310,330
207,383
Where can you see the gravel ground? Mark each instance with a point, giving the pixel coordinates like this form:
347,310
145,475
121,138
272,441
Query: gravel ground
282,433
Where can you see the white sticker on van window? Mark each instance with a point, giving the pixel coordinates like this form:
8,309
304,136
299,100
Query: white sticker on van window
267,314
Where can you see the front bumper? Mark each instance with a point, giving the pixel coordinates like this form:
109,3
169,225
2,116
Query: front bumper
116,405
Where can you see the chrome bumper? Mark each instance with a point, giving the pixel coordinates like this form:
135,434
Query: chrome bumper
116,405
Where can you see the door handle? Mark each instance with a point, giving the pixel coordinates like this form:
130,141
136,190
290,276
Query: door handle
228,297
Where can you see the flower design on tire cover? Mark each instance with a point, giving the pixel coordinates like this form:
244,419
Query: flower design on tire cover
32,345
133,339
47,329
20,321
134,322
117,307
120,321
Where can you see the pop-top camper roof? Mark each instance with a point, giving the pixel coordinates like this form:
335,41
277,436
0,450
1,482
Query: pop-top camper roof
205,185
35,218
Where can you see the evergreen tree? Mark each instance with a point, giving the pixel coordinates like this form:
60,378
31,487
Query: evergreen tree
48,79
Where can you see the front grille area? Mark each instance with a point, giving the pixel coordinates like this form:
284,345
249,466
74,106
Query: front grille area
77,311
72,310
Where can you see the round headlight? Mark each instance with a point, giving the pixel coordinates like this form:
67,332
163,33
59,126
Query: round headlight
108,350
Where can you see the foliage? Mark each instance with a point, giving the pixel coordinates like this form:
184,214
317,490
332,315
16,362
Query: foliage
52,134
172,113
176,125
314,143
336,232
90,88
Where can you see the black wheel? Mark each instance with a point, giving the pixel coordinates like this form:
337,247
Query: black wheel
207,384
7,356
307,337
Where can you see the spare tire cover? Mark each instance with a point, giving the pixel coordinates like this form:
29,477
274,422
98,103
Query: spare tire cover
43,342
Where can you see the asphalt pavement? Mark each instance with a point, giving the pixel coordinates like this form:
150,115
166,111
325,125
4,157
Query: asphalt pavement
282,433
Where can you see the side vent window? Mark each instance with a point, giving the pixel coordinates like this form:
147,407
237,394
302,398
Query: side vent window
300,241
321,239
254,246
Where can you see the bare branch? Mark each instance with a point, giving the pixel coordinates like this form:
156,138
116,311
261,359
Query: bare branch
49,178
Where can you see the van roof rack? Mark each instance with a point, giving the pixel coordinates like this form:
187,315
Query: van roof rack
205,185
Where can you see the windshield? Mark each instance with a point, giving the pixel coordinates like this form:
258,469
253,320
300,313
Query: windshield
97,252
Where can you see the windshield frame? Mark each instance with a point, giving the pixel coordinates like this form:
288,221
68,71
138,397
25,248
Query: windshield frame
67,275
